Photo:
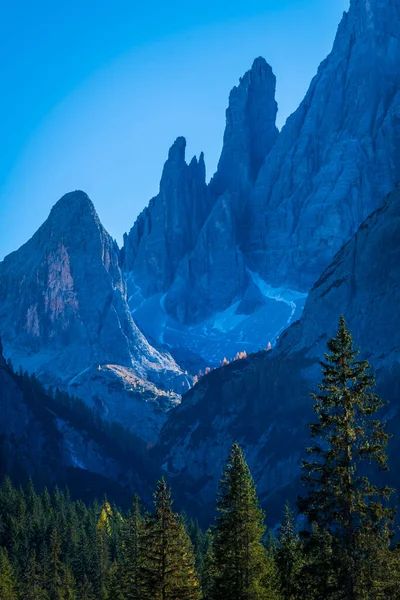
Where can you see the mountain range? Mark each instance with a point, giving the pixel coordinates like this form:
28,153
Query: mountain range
295,227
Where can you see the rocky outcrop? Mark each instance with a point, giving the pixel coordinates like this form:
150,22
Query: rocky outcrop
250,131
64,312
168,228
337,156
263,401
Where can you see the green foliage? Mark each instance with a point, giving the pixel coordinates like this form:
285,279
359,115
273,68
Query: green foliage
244,570
289,556
341,499
167,562
129,573
8,587
209,569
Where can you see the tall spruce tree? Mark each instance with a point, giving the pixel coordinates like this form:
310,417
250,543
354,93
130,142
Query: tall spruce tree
289,556
244,570
167,558
341,499
32,580
208,571
129,568
8,586
54,568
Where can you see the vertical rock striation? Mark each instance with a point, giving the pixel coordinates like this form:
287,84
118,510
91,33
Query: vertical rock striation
168,228
337,155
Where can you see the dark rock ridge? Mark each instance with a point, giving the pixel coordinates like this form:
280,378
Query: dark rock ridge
281,205
214,274
64,316
39,442
263,401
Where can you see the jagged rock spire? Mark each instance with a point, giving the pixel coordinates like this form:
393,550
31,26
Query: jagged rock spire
168,228
250,130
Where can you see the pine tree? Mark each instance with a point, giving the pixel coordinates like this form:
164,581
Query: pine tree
199,541
167,562
129,569
208,572
8,586
103,546
54,568
32,582
244,570
341,498
289,556
318,578
85,590
68,585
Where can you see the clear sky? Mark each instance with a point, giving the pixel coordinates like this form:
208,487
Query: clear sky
94,92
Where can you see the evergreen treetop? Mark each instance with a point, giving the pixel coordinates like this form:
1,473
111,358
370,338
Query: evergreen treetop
348,438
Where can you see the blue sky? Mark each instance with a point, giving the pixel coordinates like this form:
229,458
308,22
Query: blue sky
94,92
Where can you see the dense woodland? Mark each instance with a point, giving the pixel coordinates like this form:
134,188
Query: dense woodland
338,543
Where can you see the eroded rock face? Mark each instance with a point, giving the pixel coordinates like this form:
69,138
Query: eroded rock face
168,228
250,130
64,312
283,204
213,275
263,401
337,156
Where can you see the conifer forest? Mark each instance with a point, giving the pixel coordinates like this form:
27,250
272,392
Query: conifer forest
339,541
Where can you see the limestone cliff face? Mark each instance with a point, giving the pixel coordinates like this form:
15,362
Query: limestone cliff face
213,275
168,228
250,130
337,155
178,281
64,313
263,401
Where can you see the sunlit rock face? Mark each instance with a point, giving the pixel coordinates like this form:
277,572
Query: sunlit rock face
263,401
64,313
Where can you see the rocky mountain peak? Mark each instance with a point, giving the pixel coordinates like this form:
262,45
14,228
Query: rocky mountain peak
63,308
72,201
168,228
250,130
198,166
177,151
